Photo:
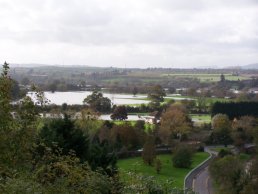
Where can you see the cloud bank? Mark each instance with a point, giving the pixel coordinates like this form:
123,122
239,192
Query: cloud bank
145,33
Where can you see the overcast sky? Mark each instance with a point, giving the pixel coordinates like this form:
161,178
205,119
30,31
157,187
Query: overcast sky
135,33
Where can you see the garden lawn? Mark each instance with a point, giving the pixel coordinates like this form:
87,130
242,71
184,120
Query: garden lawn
219,148
136,165
147,126
201,118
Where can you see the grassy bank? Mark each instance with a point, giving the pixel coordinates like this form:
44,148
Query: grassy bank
167,172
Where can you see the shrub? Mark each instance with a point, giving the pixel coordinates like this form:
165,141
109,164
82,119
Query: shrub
183,157
222,153
149,151
158,165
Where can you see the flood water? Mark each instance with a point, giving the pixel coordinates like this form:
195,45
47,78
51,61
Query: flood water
70,98
77,97
129,117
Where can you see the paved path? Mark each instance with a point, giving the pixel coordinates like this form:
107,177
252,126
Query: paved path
198,179
202,183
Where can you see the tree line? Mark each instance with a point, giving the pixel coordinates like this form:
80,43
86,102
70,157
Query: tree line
235,109
63,155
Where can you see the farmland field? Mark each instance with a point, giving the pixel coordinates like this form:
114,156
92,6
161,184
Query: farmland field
208,77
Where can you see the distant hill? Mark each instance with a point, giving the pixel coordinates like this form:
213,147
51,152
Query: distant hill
30,65
33,65
250,66
38,65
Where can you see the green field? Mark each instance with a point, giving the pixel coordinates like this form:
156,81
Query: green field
156,77
209,100
147,126
201,118
207,77
136,165
125,78
197,118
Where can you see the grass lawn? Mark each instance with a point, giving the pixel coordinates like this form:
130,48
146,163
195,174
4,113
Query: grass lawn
133,105
218,149
169,97
201,118
213,100
139,113
147,126
209,100
117,122
244,157
167,172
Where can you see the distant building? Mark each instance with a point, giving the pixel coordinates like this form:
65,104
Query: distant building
253,91
52,115
234,91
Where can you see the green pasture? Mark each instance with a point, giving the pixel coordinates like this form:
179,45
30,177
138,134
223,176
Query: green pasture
211,100
114,79
136,165
175,97
133,78
201,118
208,77
197,118
208,100
147,126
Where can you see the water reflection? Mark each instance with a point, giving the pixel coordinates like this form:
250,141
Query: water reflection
70,98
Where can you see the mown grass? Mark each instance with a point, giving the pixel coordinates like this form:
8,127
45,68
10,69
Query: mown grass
136,165
147,126
133,105
218,149
201,118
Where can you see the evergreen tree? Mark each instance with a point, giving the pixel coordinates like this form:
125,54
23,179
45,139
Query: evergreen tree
101,156
98,102
221,129
135,91
120,113
5,98
222,78
149,151
158,165
66,135
156,93
182,157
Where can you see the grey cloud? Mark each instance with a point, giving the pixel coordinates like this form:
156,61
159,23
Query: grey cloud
171,31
